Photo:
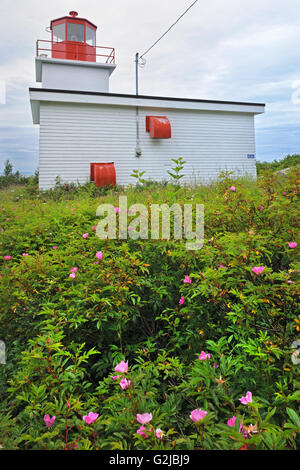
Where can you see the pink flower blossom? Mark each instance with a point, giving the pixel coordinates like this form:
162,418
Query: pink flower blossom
221,266
187,280
73,270
124,383
99,255
247,399
293,245
198,415
117,210
54,247
144,418
7,257
24,254
72,275
203,356
116,377
232,188
122,367
258,269
49,421
90,418
159,433
231,421
261,208
181,301
85,235
141,432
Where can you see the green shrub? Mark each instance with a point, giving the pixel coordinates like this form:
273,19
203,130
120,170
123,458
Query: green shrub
231,334
287,162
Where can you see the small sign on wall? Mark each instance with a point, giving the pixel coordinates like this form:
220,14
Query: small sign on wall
251,155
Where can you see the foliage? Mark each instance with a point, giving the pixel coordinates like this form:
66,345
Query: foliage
286,162
232,334
9,178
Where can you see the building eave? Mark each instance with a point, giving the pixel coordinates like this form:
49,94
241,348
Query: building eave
39,61
118,99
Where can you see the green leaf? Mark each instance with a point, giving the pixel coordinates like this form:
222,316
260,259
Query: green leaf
293,416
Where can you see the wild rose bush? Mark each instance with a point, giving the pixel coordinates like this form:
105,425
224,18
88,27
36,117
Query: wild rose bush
143,344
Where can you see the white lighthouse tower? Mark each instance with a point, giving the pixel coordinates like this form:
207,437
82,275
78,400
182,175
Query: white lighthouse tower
69,60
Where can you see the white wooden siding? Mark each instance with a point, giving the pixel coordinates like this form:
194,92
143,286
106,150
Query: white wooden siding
73,135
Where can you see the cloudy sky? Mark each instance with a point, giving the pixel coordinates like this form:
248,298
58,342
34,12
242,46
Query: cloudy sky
243,50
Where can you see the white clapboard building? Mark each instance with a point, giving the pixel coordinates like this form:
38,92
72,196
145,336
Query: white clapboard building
82,123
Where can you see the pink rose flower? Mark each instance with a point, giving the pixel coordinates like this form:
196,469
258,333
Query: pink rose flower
116,377
99,255
73,270
144,418
72,275
187,280
7,257
122,367
258,269
261,208
49,421
231,421
124,383
247,399
54,247
85,235
198,415
24,254
117,210
90,418
141,432
293,245
181,301
232,188
159,433
203,356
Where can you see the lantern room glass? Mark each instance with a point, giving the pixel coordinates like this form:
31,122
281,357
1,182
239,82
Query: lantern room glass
90,36
75,32
59,32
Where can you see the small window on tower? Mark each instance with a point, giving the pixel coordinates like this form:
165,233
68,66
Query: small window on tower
59,32
90,36
75,32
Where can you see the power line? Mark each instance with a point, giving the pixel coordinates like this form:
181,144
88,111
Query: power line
184,13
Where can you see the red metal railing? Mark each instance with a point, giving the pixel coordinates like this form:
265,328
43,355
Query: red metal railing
75,50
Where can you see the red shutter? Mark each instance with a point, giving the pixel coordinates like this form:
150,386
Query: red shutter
159,127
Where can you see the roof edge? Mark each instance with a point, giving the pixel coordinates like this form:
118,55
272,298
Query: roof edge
122,95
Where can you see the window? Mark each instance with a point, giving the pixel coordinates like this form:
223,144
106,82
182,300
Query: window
59,32
90,36
75,32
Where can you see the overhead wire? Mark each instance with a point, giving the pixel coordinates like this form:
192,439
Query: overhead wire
166,32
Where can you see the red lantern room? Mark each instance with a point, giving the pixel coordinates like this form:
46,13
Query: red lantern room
73,38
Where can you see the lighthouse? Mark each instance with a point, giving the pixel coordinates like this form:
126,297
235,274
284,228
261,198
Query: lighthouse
87,133
71,59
